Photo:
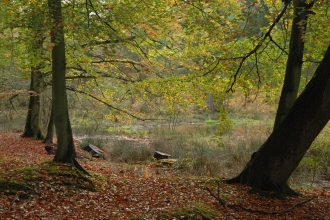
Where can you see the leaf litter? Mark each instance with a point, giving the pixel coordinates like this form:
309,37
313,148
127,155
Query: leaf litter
34,187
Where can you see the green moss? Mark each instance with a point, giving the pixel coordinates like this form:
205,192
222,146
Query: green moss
55,174
195,211
67,174
17,180
11,187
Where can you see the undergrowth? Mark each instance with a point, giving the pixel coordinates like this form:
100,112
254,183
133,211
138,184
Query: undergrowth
193,140
316,163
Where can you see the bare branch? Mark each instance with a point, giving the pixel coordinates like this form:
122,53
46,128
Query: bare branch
312,61
103,42
278,46
105,103
218,62
100,74
99,17
267,34
117,61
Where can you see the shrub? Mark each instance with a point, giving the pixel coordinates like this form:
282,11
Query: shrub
128,151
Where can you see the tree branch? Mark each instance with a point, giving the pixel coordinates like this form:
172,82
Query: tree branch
108,41
103,102
99,17
278,46
132,62
101,74
267,34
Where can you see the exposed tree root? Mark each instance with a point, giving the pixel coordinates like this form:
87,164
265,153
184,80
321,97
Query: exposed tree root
79,167
282,189
223,203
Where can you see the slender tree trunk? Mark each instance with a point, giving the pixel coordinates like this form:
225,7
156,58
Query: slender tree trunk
50,128
65,147
271,166
295,60
65,151
32,124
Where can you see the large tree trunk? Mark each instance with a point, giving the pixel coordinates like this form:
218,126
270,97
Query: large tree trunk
65,151
295,60
65,147
271,166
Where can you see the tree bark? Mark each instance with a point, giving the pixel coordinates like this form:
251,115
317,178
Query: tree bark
32,124
271,166
295,60
65,151
50,129
65,147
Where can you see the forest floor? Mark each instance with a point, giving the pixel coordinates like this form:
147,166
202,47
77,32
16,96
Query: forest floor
33,187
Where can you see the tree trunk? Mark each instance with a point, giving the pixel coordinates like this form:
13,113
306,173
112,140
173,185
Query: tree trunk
295,60
271,166
50,129
65,151
32,124
65,147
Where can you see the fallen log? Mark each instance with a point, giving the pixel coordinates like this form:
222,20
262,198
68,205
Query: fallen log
160,155
93,150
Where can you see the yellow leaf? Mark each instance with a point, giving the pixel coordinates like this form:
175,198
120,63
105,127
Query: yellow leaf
51,46
147,173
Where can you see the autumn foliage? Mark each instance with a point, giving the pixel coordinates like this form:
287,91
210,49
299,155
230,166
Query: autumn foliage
34,187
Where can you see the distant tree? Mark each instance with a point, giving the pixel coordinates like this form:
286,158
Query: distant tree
32,124
27,38
270,167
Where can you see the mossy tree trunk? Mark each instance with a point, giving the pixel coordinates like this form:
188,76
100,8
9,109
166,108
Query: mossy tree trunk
295,59
271,166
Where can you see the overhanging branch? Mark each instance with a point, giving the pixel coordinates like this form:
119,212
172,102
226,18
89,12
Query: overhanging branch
100,75
103,42
103,102
267,34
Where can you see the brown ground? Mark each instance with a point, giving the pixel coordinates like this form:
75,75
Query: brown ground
121,194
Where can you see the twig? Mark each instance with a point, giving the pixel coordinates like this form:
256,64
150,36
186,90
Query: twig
99,17
222,202
11,101
277,45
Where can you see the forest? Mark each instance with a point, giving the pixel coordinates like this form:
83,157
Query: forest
149,109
